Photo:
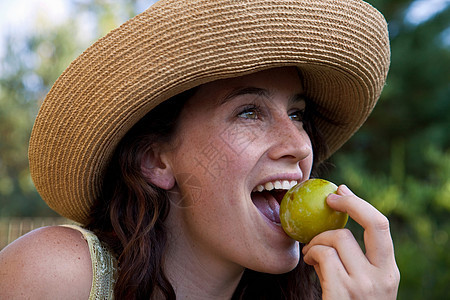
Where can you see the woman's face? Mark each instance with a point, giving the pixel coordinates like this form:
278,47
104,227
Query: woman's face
236,140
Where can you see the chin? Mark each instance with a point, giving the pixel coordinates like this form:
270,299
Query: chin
276,270
281,263
284,268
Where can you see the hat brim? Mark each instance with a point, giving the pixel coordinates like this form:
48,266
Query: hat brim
340,47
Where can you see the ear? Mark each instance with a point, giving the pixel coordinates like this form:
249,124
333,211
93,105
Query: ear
157,170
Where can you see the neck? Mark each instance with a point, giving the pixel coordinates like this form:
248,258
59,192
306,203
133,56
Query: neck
195,275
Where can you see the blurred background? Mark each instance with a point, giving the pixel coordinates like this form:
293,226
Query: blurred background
399,160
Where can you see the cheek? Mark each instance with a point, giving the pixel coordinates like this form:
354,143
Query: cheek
221,151
206,162
307,163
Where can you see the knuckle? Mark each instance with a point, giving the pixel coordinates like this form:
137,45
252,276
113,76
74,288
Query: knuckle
395,278
369,287
391,286
397,274
320,254
382,223
344,234
376,285
328,252
365,286
390,283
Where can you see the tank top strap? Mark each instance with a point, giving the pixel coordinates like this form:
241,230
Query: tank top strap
104,265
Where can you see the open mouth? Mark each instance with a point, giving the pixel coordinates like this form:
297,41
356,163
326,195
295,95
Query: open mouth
267,198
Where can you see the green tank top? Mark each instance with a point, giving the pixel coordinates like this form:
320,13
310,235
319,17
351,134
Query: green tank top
104,266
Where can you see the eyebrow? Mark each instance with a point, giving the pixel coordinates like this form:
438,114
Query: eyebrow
297,98
250,90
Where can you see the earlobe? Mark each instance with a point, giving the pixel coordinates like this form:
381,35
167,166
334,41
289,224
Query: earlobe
157,171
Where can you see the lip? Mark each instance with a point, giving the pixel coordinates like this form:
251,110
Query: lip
274,225
277,227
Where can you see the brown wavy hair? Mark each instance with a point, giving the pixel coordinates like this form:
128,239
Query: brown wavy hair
129,217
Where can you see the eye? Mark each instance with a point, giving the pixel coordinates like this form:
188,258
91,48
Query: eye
252,112
297,115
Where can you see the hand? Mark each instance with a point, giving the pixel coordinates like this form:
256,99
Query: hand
344,271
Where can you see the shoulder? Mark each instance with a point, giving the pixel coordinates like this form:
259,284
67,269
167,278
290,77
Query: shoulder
50,262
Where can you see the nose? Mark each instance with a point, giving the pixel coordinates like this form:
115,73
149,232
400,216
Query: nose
289,141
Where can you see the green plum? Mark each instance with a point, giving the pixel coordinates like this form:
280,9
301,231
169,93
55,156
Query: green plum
304,212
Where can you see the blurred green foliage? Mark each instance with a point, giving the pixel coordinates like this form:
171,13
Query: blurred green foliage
30,66
399,160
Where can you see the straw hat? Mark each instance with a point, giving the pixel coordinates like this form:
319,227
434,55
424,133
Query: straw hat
341,48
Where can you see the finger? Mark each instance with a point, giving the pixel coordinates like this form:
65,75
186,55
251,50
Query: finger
318,272
348,249
327,263
331,289
377,237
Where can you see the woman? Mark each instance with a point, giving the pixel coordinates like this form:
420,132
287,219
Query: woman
172,139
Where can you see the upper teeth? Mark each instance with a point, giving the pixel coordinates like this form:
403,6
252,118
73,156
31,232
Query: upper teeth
277,184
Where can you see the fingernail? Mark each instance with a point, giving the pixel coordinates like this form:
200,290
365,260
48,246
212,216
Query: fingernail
333,197
345,190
